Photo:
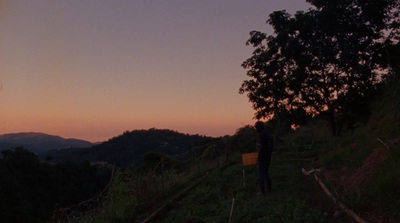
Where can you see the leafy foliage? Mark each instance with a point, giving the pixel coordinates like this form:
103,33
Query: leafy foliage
327,60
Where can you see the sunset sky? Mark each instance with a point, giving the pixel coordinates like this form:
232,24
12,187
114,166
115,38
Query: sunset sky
92,69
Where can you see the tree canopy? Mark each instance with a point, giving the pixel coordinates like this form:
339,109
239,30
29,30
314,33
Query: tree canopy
323,61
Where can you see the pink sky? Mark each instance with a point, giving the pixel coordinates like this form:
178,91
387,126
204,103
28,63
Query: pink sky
92,69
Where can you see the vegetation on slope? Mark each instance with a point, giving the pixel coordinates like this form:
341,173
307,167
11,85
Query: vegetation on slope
365,165
360,168
206,190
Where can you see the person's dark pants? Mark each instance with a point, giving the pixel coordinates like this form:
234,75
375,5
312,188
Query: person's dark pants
263,177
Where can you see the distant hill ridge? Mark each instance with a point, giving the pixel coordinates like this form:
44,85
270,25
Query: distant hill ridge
39,142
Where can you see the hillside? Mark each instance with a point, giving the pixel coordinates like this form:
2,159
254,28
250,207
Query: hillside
39,142
364,166
360,169
212,189
129,148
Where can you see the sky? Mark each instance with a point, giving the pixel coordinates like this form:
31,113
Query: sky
92,69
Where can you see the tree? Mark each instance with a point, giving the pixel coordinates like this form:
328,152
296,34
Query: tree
19,156
325,61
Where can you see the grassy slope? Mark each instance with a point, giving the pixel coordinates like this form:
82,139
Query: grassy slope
207,195
295,198
369,159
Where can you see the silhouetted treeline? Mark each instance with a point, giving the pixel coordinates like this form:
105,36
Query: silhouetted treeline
129,148
30,189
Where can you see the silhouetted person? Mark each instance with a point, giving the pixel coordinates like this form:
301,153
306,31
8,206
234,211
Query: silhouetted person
265,145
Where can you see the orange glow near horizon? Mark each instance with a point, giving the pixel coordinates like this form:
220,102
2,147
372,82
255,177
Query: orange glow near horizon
100,130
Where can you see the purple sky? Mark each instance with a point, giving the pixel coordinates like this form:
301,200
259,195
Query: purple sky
91,69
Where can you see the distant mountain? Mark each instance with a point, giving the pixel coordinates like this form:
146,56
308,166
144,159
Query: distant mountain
129,148
39,142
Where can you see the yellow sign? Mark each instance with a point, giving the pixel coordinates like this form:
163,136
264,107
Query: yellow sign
249,159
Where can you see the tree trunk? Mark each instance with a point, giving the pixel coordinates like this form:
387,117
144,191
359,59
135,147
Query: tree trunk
332,122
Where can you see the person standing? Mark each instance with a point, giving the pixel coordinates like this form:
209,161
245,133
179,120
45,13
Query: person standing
265,145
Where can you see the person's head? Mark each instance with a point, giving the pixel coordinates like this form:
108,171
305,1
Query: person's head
259,126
